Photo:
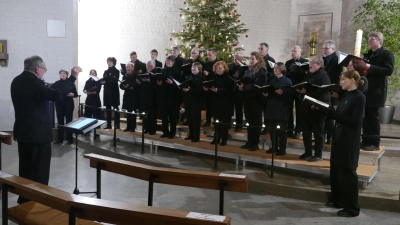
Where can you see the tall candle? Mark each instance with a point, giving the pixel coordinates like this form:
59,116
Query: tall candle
357,48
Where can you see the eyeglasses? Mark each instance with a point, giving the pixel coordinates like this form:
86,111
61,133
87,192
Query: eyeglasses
45,69
326,48
219,68
314,62
194,53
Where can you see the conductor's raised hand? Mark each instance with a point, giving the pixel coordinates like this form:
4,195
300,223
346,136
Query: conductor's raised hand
75,71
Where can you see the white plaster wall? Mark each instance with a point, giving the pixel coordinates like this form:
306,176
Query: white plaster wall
23,24
115,28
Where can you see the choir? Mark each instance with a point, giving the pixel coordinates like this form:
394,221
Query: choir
267,92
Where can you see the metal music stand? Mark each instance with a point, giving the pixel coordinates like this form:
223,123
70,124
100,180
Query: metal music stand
67,127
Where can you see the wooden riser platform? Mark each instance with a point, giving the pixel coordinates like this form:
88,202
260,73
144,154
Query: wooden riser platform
291,161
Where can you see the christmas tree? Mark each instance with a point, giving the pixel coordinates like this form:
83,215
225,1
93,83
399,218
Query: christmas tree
209,24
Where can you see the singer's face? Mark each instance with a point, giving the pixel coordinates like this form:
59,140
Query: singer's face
169,63
110,63
93,73
253,61
63,76
277,71
153,56
133,58
129,68
346,83
327,50
195,70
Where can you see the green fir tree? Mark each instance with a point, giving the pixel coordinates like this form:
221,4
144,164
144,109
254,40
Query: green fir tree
209,24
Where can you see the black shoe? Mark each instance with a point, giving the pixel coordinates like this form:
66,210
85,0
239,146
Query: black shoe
133,130
127,129
253,148
213,142
145,131
171,136
223,143
195,140
280,153
152,133
117,127
371,148
188,138
70,142
237,129
343,213
265,131
164,136
329,141
207,124
332,204
245,146
314,159
107,127
58,142
363,144
269,151
305,156
297,136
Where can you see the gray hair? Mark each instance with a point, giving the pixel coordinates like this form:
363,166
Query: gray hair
378,35
331,43
240,54
63,71
152,62
319,60
130,63
31,63
297,47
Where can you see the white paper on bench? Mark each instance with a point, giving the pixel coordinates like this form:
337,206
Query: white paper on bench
232,175
204,216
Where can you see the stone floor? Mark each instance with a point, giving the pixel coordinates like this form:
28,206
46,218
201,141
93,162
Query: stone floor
288,198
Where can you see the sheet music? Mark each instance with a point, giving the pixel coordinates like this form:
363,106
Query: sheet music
204,216
271,64
176,82
342,56
94,78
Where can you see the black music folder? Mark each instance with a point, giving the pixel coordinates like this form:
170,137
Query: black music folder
187,69
209,83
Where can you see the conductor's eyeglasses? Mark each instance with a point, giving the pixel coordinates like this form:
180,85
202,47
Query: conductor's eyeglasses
45,69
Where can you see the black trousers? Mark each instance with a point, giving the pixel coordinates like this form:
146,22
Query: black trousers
92,112
238,104
300,116
314,124
371,126
169,117
264,109
193,115
209,107
64,111
150,123
34,163
116,116
278,136
344,189
252,111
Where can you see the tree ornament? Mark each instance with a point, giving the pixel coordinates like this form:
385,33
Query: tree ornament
215,24
226,27
234,11
187,8
238,21
222,15
170,39
166,54
180,15
191,35
184,3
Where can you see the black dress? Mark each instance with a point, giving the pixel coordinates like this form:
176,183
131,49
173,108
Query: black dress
346,149
194,100
130,99
65,106
111,94
278,112
237,95
252,102
222,104
92,99
170,99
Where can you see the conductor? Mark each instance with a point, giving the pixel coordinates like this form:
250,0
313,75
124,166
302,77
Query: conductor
32,127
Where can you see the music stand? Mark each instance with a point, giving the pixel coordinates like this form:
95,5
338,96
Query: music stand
85,128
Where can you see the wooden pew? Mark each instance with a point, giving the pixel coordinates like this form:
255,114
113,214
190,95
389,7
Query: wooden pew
189,178
5,138
54,206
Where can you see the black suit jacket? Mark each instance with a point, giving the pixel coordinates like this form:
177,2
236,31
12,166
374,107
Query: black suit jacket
31,98
382,63
293,72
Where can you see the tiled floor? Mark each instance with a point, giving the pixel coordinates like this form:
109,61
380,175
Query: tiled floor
264,204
